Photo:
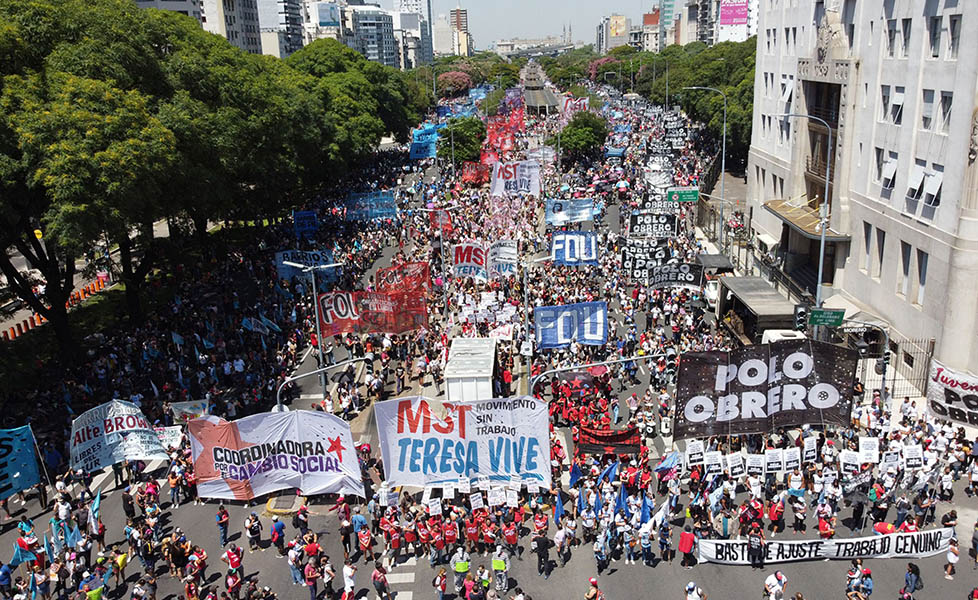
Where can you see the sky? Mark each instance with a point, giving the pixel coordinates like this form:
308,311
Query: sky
491,20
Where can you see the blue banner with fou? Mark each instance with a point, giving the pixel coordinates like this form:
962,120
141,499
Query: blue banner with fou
574,248
18,463
558,326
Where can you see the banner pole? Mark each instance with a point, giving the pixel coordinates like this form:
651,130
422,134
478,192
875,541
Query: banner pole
40,456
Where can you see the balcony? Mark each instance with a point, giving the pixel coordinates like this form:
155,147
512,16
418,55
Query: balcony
830,115
816,168
804,219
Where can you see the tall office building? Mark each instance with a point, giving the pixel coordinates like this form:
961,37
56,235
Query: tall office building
280,27
191,8
422,8
893,86
459,18
612,32
235,20
373,34
411,33
322,20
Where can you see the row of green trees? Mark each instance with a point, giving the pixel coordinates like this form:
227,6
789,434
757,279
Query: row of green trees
727,66
114,117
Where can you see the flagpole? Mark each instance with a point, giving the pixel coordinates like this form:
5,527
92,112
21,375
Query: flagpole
40,456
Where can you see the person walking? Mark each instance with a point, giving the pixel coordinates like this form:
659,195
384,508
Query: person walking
460,566
540,544
755,547
277,534
253,529
440,583
223,518
349,580
694,592
500,569
311,576
953,555
379,579
687,543
911,580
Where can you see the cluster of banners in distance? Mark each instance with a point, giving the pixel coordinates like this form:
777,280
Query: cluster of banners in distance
756,389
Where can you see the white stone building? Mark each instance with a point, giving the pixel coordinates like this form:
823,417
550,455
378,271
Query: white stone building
895,81
235,20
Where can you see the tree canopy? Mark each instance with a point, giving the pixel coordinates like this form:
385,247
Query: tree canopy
113,117
583,136
465,135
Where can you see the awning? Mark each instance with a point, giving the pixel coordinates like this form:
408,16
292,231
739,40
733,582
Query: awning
916,178
786,92
889,169
802,218
768,240
934,182
717,262
758,295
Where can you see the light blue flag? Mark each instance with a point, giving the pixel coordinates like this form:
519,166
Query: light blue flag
177,338
21,556
271,324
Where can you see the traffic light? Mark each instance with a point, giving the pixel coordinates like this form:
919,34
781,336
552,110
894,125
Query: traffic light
801,317
875,348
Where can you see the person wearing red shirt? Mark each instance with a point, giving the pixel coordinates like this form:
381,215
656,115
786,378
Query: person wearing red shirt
687,541
395,544
366,543
511,537
488,535
437,545
826,528
540,522
233,584
471,534
424,536
450,531
908,526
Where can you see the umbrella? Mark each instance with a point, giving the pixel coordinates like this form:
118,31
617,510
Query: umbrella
564,187
598,371
622,184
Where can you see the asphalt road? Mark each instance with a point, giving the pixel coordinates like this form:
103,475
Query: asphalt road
816,580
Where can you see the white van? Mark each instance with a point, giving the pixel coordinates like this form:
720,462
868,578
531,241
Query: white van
775,335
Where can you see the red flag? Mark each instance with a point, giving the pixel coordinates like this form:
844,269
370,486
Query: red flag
412,276
441,219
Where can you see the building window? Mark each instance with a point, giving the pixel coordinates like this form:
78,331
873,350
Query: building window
897,105
908,359
921,276
954,33
879,163
946,99
907,26
891,37
934,25
927,111
933,186
880,247
903,276
884,102
867,246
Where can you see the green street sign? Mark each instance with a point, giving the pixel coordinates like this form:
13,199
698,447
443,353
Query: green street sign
828,317
683,194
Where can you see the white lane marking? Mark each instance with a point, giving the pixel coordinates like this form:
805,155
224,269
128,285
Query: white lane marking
393,578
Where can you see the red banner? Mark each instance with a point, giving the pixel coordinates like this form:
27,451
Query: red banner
473,172
409,277
609,441
372,312
516,119
489,157
441,219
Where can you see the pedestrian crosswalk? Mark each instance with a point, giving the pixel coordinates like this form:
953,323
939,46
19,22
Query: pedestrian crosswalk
398,578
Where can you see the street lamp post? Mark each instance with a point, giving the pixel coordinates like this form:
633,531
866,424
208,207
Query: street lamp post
723,162
533,382
320,371
824,209
311,269
526,311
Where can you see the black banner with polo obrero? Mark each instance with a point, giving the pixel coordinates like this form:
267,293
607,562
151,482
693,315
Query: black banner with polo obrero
761,388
